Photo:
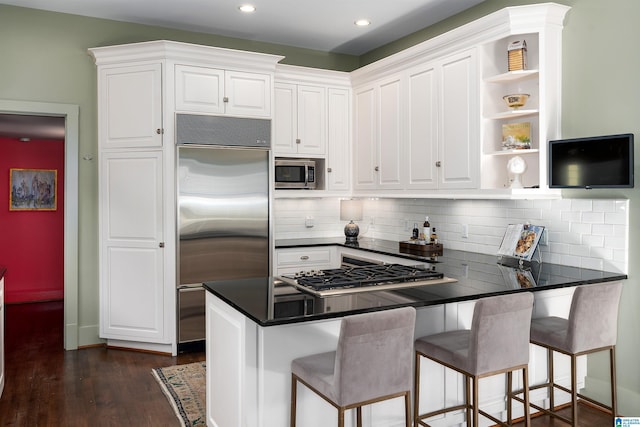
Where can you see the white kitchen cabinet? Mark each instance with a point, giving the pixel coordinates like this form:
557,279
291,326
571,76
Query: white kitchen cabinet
458,122
442,139
141,86
130,113
217,91
364,143
293,260
134,265
338,140
417,129
131,246
422,129
312,119
389,137
451,110
300,121
378,135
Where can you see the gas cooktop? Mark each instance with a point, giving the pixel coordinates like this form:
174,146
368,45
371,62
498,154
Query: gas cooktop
377,277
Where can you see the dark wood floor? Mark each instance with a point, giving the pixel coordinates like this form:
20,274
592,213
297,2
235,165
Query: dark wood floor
47,386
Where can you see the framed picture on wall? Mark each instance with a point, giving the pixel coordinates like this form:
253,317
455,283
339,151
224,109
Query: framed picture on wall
33,189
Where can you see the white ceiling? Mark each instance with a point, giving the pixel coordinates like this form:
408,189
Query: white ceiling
324,25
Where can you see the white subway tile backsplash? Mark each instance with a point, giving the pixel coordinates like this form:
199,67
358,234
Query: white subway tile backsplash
593,241
593,217
581,205
593,263
602,229
604,205
581,232
572,216
619,218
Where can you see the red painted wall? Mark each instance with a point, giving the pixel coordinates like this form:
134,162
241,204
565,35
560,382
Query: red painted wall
32,242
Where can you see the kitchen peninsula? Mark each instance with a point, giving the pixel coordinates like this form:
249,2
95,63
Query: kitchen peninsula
255,327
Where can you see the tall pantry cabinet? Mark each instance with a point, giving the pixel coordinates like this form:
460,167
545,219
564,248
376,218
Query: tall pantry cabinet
140,88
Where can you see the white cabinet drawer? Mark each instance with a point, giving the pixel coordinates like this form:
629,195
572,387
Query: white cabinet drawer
292,260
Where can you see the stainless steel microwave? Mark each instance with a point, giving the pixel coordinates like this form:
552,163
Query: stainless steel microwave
295,173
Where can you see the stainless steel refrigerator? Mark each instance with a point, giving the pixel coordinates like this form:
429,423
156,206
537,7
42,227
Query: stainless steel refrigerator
223,210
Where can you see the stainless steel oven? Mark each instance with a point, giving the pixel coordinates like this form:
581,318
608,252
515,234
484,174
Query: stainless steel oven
289,301
356,261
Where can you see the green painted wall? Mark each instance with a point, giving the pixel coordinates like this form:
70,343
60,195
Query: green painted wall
43,58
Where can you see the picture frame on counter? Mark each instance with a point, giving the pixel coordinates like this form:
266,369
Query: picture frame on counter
33,189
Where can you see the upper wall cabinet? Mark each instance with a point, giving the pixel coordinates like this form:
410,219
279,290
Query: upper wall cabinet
131,111
300,119
417,129
431,120
216,91
312,118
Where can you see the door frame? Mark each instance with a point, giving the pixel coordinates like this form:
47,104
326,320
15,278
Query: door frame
70,112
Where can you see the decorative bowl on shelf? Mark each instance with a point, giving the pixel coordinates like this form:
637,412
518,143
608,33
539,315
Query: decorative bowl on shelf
516,100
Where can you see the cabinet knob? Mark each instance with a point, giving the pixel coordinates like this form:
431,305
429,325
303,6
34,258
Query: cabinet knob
297,140
225,99
304,257
161,245
159,131
438,163
377,168
329,170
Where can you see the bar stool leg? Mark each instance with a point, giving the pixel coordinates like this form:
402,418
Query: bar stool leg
475,401
525,383
614,401
509,389
416,390
468,397
407,409
294,392
551,374
574,391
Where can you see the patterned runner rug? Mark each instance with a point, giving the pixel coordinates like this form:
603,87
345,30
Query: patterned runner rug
184,386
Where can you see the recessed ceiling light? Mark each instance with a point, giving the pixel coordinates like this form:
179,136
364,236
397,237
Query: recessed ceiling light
247,8
362,22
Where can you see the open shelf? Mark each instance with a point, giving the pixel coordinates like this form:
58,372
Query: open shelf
512,76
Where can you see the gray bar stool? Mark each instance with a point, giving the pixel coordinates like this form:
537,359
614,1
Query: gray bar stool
372,363
497,343
592,327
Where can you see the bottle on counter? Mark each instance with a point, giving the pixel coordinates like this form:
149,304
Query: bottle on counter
415,234
434,236
426,228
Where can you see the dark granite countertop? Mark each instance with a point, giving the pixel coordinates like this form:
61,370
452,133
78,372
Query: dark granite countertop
267,301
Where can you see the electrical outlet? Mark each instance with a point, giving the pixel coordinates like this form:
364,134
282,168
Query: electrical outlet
465,231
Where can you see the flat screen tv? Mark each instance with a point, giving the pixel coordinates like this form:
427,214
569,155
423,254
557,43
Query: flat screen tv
592,162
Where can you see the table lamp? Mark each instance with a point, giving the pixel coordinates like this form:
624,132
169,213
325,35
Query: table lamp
351,210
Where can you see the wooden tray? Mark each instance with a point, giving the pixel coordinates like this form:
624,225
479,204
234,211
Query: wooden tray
421,249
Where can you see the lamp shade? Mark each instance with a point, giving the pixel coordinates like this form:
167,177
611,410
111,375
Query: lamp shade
350,210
